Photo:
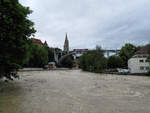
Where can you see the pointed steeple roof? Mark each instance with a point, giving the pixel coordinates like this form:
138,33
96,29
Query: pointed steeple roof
66,44
66,37
45,43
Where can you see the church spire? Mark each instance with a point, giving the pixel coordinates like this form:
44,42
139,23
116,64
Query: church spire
66,37
66,44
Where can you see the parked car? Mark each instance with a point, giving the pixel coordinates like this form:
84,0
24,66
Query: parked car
123,70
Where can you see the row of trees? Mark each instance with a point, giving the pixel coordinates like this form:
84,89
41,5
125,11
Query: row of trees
95,61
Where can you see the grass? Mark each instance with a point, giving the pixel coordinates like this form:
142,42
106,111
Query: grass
3,103
8,94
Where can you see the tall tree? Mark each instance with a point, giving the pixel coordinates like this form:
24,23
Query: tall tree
127,52
68,62
114,62
93,60
15,28
50,54
39,56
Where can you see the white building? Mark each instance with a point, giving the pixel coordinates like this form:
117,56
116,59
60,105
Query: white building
139,63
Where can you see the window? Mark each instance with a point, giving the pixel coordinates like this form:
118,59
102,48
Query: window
146,60
147,68
139,56
141,68
141,60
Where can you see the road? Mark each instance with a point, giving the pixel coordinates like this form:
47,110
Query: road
74,91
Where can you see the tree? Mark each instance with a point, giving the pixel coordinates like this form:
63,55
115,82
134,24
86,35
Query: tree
93,61
50,54
115,62
39,56
148,58
68,62
15,28
127,52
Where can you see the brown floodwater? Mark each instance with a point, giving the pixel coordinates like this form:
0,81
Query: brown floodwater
74,91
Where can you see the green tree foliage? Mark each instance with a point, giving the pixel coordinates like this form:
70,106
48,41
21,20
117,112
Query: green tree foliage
148,58
50,54
127,52
15,28
114,62
58,50
93,61
149,55
138,48
68,62
38,56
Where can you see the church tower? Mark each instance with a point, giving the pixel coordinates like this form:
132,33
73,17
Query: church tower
66,44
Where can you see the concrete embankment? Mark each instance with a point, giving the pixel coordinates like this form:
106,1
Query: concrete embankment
41,69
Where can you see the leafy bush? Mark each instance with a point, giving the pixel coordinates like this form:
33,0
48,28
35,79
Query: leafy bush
126,52
38,57
68,62
93,61
115,62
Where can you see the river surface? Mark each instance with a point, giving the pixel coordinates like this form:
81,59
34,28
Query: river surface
74,91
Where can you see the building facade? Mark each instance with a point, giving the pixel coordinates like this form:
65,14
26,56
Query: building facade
139,63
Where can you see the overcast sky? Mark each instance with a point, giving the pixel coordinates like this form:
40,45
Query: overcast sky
108,23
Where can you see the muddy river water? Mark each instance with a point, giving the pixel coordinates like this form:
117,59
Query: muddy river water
74,91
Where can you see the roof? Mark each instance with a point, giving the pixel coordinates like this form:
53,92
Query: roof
38,41
143,50
45,43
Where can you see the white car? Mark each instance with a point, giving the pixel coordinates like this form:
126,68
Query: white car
123,70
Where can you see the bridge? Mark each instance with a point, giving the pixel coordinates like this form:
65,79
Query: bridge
116,52
74,52
59,60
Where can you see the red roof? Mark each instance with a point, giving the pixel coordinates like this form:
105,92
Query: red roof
38,41
143,50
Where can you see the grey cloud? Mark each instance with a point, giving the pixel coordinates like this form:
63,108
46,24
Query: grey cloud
109,23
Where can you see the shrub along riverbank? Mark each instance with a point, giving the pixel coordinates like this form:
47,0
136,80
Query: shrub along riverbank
93,61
